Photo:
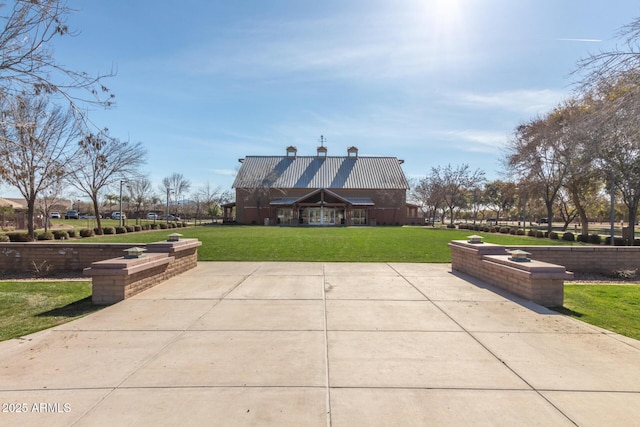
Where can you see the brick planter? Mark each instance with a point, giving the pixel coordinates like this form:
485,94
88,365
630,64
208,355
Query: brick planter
537,281
119,278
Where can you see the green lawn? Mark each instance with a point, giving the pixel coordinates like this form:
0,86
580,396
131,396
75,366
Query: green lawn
354,244
27,307
612,307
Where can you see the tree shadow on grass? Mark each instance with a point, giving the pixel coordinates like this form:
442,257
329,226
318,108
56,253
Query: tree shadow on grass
567,311
75,309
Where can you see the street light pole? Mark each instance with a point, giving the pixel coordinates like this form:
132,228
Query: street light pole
167,212
122,181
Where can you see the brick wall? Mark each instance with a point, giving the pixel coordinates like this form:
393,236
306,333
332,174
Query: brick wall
587,259
537,281
57,257
119,278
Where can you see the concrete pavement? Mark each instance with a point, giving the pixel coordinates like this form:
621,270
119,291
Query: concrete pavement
317,344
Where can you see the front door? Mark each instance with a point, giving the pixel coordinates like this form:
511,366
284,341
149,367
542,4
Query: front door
319,216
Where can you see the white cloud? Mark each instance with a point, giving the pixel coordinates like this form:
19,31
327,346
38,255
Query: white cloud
529,101
581,40
225,172
481,141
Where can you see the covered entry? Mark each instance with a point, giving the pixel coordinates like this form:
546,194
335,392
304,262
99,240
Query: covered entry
322,207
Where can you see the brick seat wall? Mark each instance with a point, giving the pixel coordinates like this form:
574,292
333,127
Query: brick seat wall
119,278
537,281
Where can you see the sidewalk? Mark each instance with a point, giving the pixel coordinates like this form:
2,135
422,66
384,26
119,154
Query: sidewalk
262,344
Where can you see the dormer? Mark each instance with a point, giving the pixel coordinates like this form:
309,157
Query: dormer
292,151
352,152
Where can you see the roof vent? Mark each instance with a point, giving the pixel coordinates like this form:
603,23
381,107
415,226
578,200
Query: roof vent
292,151
352,152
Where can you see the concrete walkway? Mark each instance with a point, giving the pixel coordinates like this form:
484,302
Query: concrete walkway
317,344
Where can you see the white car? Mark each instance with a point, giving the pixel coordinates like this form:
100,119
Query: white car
153,215
55,215
117,215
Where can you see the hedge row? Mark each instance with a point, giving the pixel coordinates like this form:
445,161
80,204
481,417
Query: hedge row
593,239
87,232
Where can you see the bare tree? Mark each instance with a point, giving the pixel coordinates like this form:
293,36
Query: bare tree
101,161
177,184
35,140
140,193
606,65
210,199
500,196
427,194
48,198
617,137
541,152
455,183
27,63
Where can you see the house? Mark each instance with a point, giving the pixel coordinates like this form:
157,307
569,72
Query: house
321,189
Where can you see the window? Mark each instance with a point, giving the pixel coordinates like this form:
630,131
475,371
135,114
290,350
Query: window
359,217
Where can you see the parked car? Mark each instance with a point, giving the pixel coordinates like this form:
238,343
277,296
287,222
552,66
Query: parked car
55,215
88,216
153,215
72,215
118,215
170,217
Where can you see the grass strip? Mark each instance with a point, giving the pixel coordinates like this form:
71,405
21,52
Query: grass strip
27,307
612,307
323,244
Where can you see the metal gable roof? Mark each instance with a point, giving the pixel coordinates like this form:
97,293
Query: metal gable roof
321,172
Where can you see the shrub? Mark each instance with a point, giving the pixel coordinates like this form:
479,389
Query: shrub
61,235
451,226
18,237
595,239
130,228
619,241
504,230
120,230
553,235
137,228
163,226
47,235
96,230
108,230
540,234
179,225
72,233
532,233
154,226
513,231
568,237
87,232
4,238
520,232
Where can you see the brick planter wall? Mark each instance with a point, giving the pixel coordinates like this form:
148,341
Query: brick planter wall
56,257
588,259
537,281
119,278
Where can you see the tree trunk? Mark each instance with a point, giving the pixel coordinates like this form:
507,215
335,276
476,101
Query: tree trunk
30,218
633,213
96,210
549,217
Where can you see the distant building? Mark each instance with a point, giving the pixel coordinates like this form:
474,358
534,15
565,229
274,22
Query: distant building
321,189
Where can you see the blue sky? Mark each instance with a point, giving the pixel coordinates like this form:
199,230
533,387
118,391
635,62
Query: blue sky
433,82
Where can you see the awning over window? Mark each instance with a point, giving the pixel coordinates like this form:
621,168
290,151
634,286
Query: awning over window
322,195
